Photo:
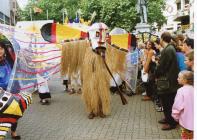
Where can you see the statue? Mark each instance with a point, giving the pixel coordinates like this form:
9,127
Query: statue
142,10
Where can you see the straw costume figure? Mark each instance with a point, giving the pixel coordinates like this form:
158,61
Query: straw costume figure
87,57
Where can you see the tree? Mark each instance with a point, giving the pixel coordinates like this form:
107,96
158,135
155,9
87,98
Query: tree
119,14
54,8
155,12
114,13
122,13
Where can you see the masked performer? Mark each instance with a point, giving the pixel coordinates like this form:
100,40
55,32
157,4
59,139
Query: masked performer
12,106
79,56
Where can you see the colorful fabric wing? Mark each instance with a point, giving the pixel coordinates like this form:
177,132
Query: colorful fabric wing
34,56
12,107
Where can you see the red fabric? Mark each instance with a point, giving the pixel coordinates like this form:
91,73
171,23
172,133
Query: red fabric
84,35
109,39
53,33
8,120
23,103
129,41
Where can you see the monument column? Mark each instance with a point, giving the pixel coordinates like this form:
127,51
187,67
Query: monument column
143,26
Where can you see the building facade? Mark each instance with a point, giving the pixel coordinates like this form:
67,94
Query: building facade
180,16
8,11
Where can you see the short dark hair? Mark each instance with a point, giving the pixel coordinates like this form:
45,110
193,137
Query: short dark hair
157,41
166,36
2,45
189,42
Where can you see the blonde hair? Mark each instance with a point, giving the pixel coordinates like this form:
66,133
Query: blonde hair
188,76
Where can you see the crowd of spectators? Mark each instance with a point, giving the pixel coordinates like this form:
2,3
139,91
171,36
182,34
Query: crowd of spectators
170,57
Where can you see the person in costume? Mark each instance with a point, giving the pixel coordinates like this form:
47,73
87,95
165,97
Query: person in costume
12,105
6,64
43,90
94,74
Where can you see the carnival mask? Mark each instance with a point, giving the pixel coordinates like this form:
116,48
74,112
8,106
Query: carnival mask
98,34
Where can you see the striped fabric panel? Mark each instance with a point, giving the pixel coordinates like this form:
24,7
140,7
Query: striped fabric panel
5,124
27,98
4,128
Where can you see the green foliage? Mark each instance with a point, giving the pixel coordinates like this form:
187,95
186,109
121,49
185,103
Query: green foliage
89,6
114,13
119,14
154,12
54,8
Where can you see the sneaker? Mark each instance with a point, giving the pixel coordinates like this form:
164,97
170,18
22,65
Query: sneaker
144,93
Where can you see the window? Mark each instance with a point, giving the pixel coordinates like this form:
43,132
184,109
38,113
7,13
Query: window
1,15
178,6
186,1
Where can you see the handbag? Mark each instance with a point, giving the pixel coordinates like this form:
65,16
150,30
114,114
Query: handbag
163,84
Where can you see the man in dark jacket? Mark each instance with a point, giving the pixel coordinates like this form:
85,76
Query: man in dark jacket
168,67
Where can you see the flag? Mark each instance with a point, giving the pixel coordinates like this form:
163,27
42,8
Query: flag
37,10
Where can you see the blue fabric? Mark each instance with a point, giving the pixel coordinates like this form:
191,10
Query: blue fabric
5,72
134,58
181,59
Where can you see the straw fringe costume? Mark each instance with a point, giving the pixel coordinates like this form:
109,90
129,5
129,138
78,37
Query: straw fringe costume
79,56
95,87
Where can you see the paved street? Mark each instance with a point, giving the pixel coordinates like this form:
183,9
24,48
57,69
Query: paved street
66,119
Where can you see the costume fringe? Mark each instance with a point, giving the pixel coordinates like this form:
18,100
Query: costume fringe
72,56
95,88
116,59
78,56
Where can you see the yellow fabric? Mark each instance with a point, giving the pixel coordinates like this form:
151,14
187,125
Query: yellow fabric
13,109
120,40
65,32
2,128
33,28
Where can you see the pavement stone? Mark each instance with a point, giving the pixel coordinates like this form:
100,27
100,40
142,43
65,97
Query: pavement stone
66,119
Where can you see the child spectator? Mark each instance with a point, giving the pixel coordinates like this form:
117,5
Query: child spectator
183,107
189,60
43,90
